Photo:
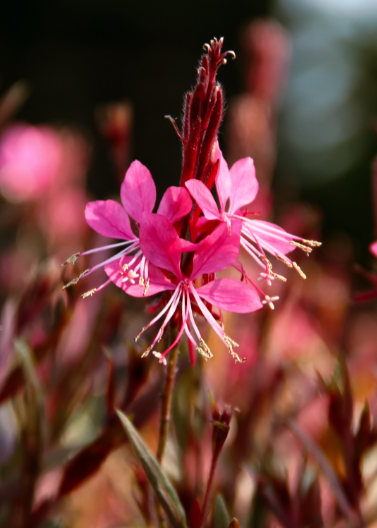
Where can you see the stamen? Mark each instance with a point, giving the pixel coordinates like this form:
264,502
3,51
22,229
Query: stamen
146,288
230,344
301,246
71,259
111,246
312,243
89,293
146,353
285,260
299,270
270,301
76,280
204,350
279,277
139,334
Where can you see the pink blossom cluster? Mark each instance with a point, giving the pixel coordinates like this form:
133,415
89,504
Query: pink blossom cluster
153,256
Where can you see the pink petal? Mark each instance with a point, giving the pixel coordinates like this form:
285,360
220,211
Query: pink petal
160,243
231,295
188,246
244,184
204,199
218,250
175,204
223,180
373,248
273,235
109,218
158,281
138,191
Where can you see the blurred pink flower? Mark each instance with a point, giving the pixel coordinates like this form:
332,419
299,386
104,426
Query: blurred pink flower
373,248
30,159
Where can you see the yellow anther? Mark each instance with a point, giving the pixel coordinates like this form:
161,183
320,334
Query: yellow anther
313,243
71,259
146,287
89,293
285,260
76,280
301,246
203,350
299,270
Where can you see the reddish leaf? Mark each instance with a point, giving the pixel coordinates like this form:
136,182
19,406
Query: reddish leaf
195,515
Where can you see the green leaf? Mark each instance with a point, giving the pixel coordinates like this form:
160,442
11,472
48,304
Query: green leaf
220,515
163,488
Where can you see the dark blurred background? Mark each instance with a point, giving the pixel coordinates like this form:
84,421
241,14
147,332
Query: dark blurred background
76,56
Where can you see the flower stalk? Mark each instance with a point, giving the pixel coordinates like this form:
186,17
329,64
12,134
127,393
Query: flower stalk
221,427
166,398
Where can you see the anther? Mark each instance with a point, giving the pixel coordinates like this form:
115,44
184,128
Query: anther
89,293
146,288
146,353
279,277
203,350
139,334
299,270
230,344
285,260
301,246
312,243
76,280
71,259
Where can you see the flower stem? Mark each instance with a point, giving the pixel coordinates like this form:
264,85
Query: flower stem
207,496
166,403
166,398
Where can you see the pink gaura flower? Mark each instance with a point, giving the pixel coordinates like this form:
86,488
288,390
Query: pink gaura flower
236,188
162,247
110,219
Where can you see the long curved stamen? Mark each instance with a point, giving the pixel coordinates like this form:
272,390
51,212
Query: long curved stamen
111,259
250,249
207,314
278,233
217,328
95,290
179,336
202,348
169,315
103,248
267,246
191,316
165,309
90,270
